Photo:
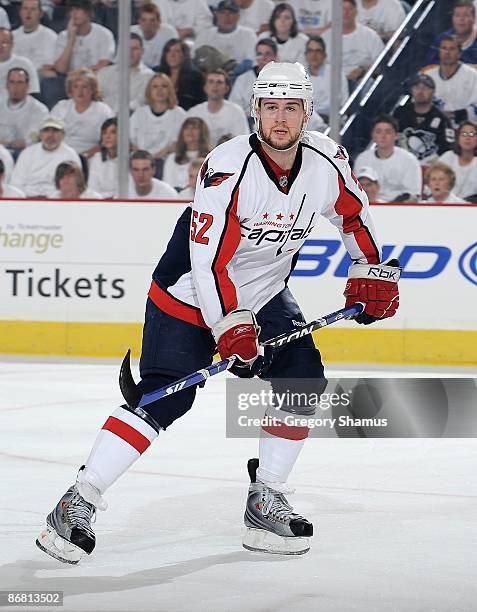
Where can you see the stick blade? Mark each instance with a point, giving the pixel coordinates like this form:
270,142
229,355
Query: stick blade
129,388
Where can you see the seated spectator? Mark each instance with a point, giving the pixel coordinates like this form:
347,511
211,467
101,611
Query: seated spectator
368,180
398,171
463,161
142,184
35,41
188,192
361,45
425,131
7,160
383,16
441,180
255,14
83,44
71,185
155,127
320,75
83,114
139,77
154,33
220,115
189,17
283,29
10,60
6,190
188,81
456,83
231,39
103,166
4,21
193,142
265,52
20,114
34,172
313,16
464,30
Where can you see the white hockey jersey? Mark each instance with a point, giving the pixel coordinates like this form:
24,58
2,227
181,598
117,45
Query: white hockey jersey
248,223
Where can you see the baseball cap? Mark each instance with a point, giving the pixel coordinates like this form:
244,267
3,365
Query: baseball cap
53,122
368,173
228,5
425,79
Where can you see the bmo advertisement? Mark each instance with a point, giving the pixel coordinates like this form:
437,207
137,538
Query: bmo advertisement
74,277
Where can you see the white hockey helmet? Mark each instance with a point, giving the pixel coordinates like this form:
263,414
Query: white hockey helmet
282,80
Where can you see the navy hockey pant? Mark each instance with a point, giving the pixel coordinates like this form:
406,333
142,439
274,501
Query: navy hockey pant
172,348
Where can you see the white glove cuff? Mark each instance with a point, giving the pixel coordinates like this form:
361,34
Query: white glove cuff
236,317
375,272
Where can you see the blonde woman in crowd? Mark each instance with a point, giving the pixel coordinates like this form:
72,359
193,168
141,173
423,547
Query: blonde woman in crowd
83,113
193,142
103,166
155,126
464,162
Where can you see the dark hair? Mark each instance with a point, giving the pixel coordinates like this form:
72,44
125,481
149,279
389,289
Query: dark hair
277,11
134,36
467,3
2,167
458,132
85,5
106,124
70,168
389,119
204,139
142,154
149,7
40,8
452,38
316,39
269,42
353,2
17,69
187,62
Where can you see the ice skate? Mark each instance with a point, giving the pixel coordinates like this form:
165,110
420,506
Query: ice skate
271,524
68,534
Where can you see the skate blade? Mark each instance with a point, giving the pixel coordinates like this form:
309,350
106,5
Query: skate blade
260,540
54,545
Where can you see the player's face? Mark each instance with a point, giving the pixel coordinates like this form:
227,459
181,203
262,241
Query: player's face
142,172
51,138
422,94
281,122
17,86
439,184
81,91
384,135
264,56
149,24
109,138
463,19
283,22
449,53
468,138
30,13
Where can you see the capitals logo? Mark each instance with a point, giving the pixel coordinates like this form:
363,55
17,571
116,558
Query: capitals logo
211,178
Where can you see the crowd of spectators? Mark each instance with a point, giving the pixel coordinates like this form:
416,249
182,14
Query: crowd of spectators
192,65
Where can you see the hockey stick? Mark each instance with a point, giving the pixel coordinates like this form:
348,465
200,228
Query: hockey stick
134,397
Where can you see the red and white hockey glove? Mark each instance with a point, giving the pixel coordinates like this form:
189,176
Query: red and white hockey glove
376,286
237,334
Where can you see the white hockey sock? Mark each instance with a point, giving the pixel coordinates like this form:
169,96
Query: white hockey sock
278,451
122,440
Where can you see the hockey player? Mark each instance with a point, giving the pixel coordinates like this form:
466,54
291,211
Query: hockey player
222,282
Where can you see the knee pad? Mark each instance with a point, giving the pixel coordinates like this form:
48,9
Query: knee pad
168,409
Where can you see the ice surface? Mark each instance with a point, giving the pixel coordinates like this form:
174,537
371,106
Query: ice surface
395,520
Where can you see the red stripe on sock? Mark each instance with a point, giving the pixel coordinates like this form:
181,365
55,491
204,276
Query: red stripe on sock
127,433
287,431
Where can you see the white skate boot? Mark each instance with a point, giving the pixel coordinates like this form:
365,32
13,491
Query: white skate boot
271,525
68,534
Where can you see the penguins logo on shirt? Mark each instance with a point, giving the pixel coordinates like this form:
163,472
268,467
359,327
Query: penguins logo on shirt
420,143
